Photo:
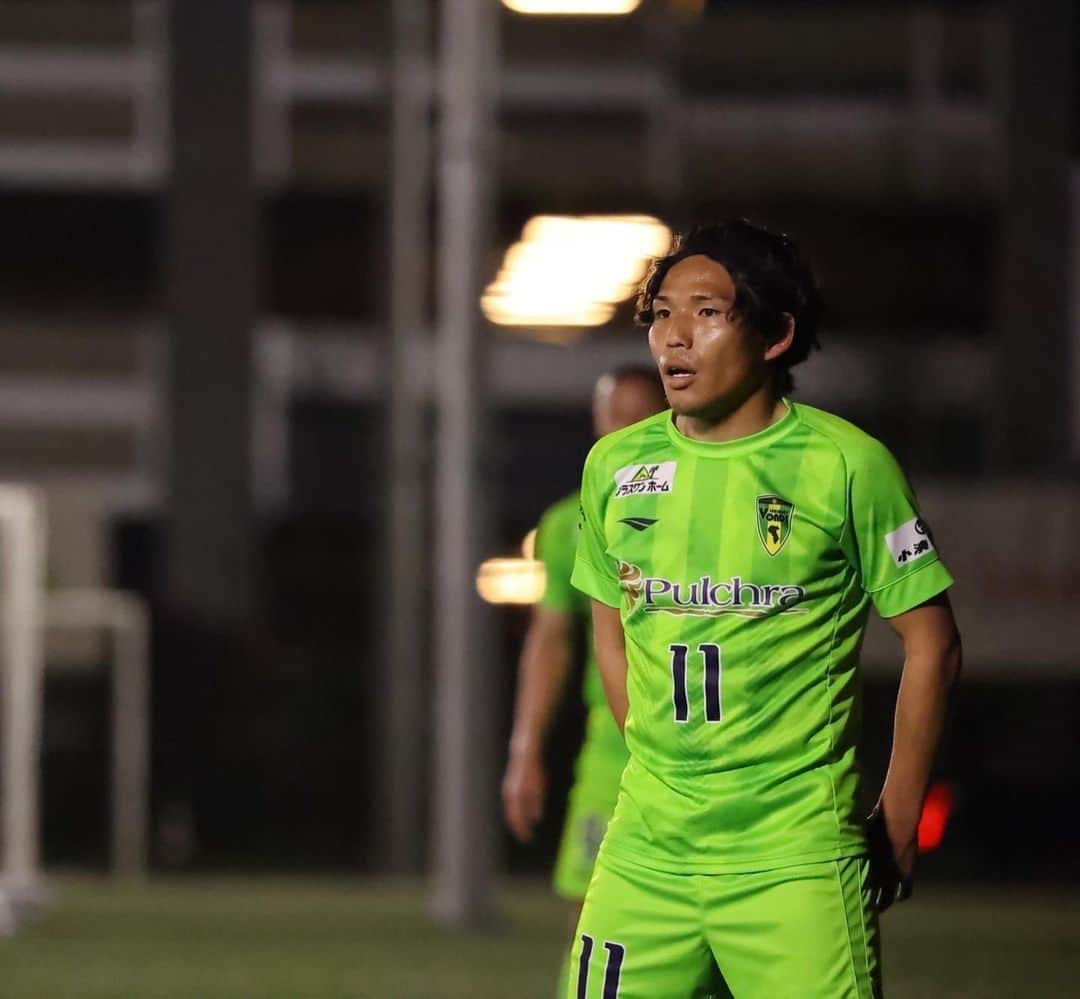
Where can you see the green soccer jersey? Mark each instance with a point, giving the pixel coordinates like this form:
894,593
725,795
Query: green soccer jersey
556,540
744,572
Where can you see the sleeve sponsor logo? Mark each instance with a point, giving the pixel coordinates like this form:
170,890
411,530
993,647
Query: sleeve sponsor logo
909,542
645,480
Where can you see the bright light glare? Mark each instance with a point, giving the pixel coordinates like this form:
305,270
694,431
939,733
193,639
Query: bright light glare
572,6
511,581
528,545
573,271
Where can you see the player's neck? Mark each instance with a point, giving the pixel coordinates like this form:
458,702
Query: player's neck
756,412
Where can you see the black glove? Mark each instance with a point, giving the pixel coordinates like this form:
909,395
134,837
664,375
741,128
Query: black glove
887,884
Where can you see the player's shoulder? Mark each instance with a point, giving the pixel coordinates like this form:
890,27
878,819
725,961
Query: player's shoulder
639,441
854,445
565,509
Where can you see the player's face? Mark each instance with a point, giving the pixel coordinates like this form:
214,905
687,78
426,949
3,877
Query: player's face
710,364
619,403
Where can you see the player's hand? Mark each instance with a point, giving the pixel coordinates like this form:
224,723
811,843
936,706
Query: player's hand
892,865
523,788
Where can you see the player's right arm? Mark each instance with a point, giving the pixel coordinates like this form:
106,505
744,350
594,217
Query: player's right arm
610,646
596,574
542,672
543,668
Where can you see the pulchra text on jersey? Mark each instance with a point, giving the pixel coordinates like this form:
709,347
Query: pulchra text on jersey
731,593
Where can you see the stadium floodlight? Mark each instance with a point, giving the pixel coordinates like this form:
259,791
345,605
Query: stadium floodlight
573,270
562,7
511,581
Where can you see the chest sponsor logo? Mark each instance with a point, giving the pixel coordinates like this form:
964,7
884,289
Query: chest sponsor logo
645,480
774,515
706,597
909,542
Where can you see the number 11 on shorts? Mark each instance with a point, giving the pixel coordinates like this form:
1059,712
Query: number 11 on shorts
680,697
612,970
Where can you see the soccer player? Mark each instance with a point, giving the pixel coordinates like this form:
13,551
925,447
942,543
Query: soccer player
621,398
727,635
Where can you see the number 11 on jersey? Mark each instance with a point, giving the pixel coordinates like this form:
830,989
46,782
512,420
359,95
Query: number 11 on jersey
680,697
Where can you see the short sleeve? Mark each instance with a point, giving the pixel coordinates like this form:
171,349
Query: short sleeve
556,537
896,555
595,572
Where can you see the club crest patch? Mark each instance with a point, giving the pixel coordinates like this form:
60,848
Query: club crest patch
774,515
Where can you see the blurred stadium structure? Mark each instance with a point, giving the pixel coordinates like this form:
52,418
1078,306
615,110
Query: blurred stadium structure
216,215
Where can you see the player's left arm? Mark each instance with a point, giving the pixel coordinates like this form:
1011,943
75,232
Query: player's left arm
901,571
932,661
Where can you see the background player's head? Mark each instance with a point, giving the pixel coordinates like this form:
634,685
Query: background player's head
624,396
731,308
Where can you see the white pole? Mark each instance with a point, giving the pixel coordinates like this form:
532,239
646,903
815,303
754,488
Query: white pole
22,558
126,618
464,800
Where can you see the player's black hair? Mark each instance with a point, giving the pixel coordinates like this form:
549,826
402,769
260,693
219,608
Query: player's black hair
771,278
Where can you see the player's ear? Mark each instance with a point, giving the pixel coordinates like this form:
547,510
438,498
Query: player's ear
783,343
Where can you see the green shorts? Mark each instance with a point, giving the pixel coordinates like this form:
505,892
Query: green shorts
802,932
592,799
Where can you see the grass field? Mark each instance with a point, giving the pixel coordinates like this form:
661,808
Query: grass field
332,939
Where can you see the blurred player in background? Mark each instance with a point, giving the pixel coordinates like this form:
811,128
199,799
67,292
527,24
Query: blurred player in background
621,398
727,636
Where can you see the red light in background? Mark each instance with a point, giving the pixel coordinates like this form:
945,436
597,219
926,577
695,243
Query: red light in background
935,817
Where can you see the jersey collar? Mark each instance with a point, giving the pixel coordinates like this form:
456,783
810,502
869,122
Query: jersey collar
739,446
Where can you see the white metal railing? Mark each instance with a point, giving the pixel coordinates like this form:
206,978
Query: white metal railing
124,400
922,122
348,363
137,75
345,362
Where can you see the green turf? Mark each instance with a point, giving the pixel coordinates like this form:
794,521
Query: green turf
325,939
